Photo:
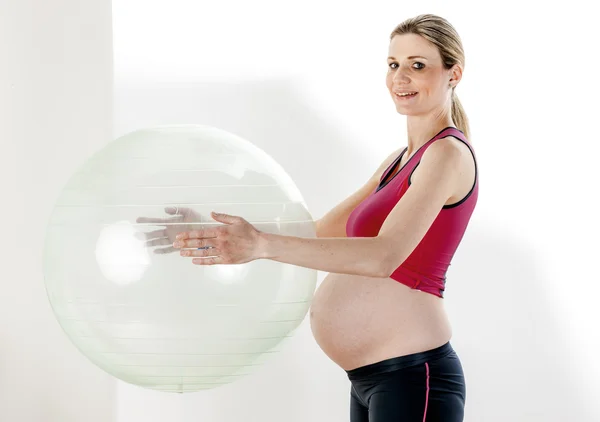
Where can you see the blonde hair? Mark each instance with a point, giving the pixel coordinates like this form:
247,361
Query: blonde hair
442,34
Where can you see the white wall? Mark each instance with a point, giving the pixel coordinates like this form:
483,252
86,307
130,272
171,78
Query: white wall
306,84
55,110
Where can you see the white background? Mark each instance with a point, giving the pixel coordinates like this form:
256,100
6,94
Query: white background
305,81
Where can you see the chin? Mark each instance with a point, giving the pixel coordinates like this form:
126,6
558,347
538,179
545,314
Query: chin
404,111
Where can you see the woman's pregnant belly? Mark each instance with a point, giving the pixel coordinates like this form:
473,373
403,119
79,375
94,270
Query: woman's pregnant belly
358,320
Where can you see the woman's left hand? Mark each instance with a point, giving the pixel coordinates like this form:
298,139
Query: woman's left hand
235,242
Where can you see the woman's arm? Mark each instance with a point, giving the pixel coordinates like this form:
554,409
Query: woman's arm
356,255
436,179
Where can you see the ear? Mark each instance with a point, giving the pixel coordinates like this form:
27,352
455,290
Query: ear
455,74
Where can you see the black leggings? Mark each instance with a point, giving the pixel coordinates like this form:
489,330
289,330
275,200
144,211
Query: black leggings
427,386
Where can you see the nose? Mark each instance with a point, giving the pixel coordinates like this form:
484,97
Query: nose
400,77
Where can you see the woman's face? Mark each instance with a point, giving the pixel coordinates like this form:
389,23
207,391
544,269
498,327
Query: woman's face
415,66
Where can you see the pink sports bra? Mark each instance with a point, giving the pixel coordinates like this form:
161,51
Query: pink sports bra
425,268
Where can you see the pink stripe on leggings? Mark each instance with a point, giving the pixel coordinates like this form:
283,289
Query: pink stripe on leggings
427,392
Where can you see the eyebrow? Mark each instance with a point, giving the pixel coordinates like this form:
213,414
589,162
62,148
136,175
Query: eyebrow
409,57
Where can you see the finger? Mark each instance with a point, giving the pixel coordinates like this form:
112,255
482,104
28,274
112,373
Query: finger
207,261
161,251
194,243
151,220
177,210
154,234
159,242
205,232
200,252
226,218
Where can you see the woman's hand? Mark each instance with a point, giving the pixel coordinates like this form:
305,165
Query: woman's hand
235,242
182,221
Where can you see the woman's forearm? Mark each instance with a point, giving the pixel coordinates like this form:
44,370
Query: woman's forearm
365,256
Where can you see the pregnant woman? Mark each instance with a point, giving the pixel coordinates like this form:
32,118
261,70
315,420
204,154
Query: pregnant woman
380,313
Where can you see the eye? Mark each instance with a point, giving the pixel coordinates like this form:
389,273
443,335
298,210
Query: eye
394,65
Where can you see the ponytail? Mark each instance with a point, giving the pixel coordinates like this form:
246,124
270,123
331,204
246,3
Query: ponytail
459,117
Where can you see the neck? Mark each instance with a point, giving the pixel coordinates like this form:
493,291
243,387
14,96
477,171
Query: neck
422,128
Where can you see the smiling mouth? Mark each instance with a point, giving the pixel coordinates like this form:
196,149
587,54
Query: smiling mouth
405,95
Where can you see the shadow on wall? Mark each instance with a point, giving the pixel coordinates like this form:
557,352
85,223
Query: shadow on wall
272,115
516,359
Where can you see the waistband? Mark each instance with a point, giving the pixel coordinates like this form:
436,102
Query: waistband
399,362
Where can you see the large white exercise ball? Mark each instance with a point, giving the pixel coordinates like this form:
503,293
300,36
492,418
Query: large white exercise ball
130,302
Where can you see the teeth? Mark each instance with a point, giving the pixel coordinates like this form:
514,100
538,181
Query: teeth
405,94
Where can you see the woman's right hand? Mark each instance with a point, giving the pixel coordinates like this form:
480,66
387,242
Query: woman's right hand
182,221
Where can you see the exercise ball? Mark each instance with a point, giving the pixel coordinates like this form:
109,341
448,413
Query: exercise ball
127,299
